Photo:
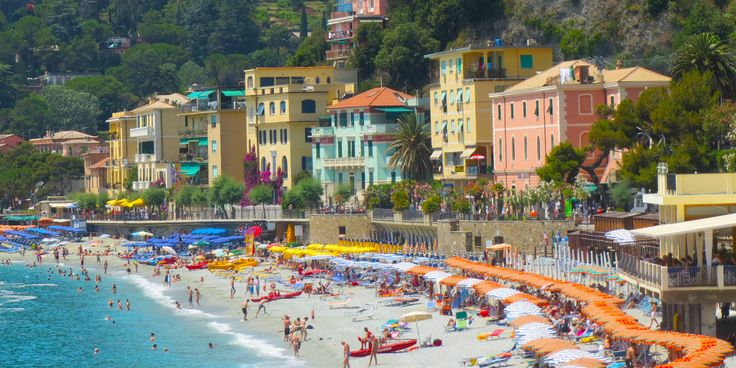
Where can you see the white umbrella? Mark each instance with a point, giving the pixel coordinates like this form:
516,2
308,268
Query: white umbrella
169,250
49,240
502,293
403,266
104,236
416,317
141,234
436,275
469,282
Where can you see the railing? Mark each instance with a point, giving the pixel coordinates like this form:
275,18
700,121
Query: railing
383,213
381,128
193,132
322,131
440,216
338,54
339,35
258,212
729,275
340,14
190,157
646,271
344,162
238,105
142,132
144,157
691,276
412,216
141,185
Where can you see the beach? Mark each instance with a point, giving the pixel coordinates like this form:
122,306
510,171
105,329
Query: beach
264,334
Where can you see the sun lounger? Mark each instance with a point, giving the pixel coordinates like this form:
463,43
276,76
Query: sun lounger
495,362
341,304
490,335
366,312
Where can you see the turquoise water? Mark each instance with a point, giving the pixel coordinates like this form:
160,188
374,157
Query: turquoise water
45,322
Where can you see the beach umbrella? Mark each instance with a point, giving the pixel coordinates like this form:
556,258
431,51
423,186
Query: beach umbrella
104,236
141,234
49,240
416,317
201,243
502,246
169,250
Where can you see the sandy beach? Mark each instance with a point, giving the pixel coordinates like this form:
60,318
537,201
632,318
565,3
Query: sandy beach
322,347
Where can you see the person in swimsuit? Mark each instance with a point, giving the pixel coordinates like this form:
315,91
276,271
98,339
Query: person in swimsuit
345,355
296,343
374,344
630,356
244,308
287,327
196,296
232,287
190,293
261,307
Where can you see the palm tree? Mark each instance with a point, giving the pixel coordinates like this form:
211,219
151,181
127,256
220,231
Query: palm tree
706,53
411,148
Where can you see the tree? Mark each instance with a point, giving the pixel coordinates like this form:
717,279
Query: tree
304,24
109,91
461,204
411,148
30,117
199,19
431,204
278,38
8,90
292,200
261,194
130,178
562,164
311,51
154,197
155,27
102,199
144,68
402,55
400,200
307,192
62,18
369,37
706,53
378,196
190,73
225,191
226,70
71,110
621,195
183,197
301,176
235,30
343,193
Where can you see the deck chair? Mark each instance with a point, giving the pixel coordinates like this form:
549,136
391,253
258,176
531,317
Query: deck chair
341,304
495,362
366,312
461,320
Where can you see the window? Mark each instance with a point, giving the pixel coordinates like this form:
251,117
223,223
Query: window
317,150
467,125
436,127
500,150
444,67
362,149
284,167
512,110
526,61
526,152
263,164
550,109
351,148
215,172
267,81
539,149
339,148
316,80
328,80
282,106
613,101
250,82
362,180
309,107
513,149
308,135
272,108
214,146
436,98
499,112
370,177
449,65
452,97
460,125
339,178
452,126
459,65
585,104
536,107
261,109
370,148
459,95
362,118
306,163
393,177
213,120
523,109
467,94
552,141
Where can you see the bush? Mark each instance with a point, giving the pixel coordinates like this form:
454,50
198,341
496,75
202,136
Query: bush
378,196
343,193
431,204
461,205
400,200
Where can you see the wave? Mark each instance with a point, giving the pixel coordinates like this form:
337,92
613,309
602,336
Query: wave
10,310
21,286
156,293
259,346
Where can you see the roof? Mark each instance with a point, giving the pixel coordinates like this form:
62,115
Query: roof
81,141
64,135
633,74
154,105
173,98
688,227
376,97
487,47
6,136
100,164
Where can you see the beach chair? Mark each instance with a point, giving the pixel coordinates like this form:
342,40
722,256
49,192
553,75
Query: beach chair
365,313
461,321
341,304
491,335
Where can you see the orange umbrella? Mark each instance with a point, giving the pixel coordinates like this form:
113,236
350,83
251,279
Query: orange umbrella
525,320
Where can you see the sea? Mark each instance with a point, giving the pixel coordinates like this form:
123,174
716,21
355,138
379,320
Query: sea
46,322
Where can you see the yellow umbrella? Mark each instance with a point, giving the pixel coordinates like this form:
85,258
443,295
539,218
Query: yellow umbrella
416,317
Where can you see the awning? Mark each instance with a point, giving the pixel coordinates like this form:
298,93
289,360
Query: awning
235,93
468,152
394,109
63,205
205,94
186,141
436,155
192,95
688,227
202,142
190,168
459,97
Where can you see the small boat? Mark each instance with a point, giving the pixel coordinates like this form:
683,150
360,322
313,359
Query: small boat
196,266
386,348
273,297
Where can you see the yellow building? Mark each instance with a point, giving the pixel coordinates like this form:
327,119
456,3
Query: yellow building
461,80
122,149
156,136
212,139
283,105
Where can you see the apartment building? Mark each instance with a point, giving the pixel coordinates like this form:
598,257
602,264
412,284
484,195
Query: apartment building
346,17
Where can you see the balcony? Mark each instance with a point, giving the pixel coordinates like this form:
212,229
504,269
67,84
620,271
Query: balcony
380,128
190,157
323,132
143,158
186,133
143,132
344,162
339,35
339,54
141,185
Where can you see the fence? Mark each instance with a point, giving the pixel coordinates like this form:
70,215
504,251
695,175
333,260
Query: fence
383,214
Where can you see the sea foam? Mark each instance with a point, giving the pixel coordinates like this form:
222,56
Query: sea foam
156,293
259,346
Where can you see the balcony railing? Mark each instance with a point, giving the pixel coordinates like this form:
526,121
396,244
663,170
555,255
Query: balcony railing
338,54
143,132
691,276
344,162
323,131
339,35
193,132
646,271
142,158
412,216
141,185
192,157
383,214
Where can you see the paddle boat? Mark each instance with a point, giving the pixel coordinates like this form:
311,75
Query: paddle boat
385,348
274,296
197,266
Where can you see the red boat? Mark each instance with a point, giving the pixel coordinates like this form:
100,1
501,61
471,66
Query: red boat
313,272
271,297
386,348
196,266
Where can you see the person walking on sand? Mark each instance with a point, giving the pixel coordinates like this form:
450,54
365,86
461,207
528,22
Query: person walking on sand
190,294
630,356
374,350
196,296
345,355
244,309
296,343
261,307
654,315
304,328
232,287
98,257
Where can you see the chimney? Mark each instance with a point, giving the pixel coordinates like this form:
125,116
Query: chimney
619,64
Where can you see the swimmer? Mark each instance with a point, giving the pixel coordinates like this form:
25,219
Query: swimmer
109,303
166,350
79,289
108,318
97,289
153,337
120,305
178,306
97,351
127,304
211,346
154,347
114,289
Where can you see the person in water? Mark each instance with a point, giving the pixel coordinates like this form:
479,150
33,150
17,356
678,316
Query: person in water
152,338
211,345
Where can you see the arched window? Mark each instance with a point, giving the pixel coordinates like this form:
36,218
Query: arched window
552,141
284,167
263,164
250,82
261,109
309,107
283,107
328,80
513,149
539,149
500,150
526,155
272,108
316,80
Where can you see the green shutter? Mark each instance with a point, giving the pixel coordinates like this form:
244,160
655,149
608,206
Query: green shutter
527,61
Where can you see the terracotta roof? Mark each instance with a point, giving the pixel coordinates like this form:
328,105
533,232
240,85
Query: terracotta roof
376,97
100,164
635,74
155,105
81,141
5,136
177,98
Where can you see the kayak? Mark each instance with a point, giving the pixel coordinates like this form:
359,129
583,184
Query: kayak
277,297
386,348
196,266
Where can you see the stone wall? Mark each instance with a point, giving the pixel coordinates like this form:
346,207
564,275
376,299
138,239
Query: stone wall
523,235
325,229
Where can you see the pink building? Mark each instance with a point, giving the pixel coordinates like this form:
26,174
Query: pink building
69,143
557,105
344,21
9,141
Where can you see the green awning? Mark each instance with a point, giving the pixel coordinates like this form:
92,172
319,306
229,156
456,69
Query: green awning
190,168
205,94
21,218
237,93
192,95
394,109
202,142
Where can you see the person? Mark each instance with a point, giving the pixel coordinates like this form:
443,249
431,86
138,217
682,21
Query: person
367,339
345,355
196,296
211,345
152,338
97,289
653,314
374,350
167,279
190,293
155,347
79,289
296,343
114,289
127,304
166,350
287,327
232,287
109,303
120,305
104,267
244,308
261,307
178,306
97,351
304,329
135,263
630,356
98,257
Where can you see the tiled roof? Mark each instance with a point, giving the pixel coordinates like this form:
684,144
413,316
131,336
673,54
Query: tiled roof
100,164
540,80
81,141
155,105
376,97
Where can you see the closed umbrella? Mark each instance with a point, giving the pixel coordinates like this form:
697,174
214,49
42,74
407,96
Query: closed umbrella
416,317
169,250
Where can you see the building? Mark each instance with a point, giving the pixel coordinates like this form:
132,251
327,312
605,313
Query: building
211,140
95,171
557,105
122,149
156,136
283,106
461,80
344,21
68,143
353,147
9,141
